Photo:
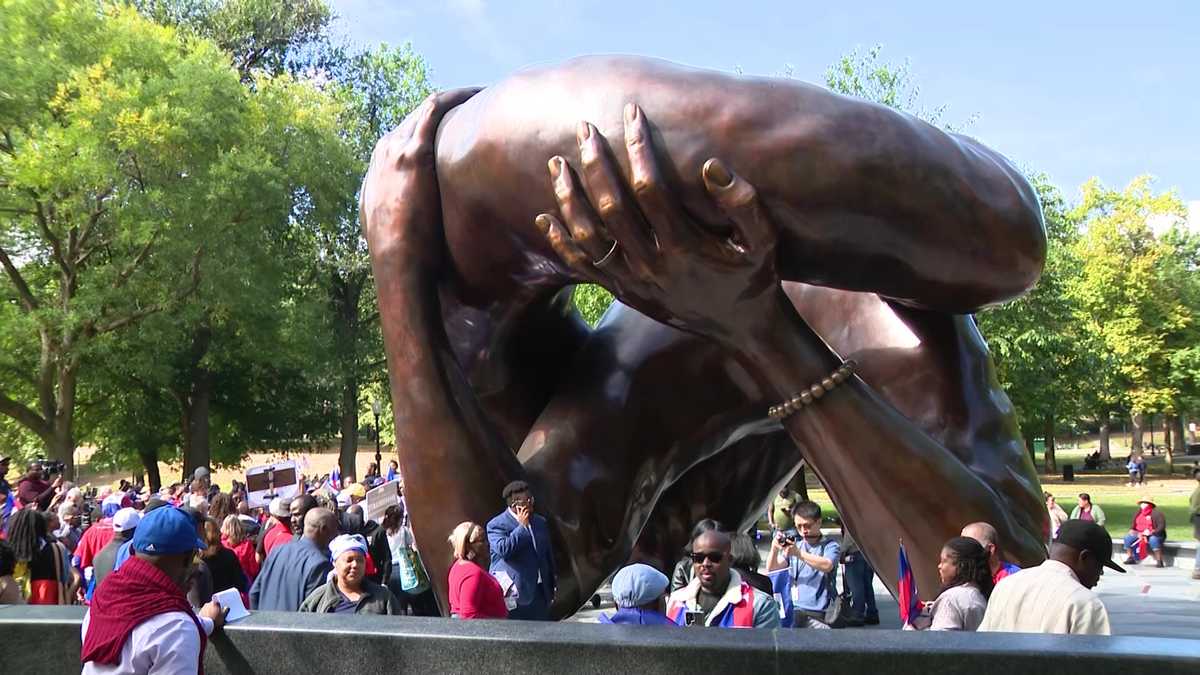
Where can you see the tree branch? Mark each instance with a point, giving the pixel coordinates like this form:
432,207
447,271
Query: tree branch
55,242
94,218
156,307
28,302
136,262
26,417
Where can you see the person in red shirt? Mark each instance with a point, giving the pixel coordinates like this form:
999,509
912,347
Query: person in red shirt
233,537
96,538
34,490
278,530
474,593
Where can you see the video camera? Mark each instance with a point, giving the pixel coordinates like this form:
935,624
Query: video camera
52,467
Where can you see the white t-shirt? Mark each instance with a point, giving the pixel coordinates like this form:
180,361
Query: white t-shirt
164,644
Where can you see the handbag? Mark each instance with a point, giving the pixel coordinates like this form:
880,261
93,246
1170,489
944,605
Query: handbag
839,605
413,578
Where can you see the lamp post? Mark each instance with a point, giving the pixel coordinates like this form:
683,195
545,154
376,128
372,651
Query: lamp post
377,407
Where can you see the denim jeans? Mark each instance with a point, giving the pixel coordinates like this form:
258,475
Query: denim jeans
859,576
1131,541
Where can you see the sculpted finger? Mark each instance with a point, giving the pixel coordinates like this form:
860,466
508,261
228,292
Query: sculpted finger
739,201
581,221
563,246
657,205
619,216
436,106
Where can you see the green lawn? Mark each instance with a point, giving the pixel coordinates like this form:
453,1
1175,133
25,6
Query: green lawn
1109,491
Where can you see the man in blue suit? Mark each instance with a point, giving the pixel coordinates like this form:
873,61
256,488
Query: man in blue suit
520,548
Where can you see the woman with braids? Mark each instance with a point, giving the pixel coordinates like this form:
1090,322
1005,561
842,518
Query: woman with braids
43,568
966,586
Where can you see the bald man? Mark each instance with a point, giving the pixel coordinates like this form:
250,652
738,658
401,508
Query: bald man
986,535
294,570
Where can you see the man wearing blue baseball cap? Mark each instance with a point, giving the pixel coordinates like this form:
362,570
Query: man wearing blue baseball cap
140,620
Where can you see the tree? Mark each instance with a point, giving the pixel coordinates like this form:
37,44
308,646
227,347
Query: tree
1127,306
868,76
119,142
378,88
1035,340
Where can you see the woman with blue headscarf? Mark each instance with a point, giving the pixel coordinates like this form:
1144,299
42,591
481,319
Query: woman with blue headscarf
348,589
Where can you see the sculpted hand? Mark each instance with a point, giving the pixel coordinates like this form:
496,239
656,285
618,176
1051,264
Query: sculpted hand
648,251
399,207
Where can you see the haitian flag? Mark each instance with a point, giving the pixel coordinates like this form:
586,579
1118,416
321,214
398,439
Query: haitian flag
906,588
335,478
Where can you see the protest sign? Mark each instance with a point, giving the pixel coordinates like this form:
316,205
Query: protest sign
264,483
379,499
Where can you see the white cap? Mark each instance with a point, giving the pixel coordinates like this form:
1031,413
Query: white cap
126,519
278,508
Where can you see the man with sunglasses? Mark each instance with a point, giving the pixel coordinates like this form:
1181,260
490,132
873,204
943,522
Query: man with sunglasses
717,595
521,556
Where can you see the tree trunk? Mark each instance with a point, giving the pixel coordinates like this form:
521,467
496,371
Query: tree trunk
199,452
348,455
194,404
149,457
346,296
63,448
1029,447
799,482
1174,433
1135,440
1105,435
1051,464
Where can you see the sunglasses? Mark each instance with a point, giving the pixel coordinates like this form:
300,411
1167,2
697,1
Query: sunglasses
714,557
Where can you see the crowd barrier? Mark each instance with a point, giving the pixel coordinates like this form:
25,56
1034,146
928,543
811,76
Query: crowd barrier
46,640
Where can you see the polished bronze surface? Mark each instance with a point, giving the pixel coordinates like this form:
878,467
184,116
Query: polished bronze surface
889,231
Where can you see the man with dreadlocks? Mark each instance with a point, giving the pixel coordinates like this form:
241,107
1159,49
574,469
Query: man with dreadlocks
43,568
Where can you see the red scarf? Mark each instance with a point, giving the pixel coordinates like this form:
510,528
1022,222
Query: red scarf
127,598
1143,520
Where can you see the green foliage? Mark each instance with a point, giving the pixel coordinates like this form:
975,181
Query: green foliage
592,301
867,76
1131,293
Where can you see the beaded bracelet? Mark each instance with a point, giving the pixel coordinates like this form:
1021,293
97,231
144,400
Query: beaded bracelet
813,393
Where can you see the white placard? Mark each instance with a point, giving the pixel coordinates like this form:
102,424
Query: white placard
264,483
379,499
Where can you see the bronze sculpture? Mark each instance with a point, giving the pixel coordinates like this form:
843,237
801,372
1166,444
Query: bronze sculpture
883,229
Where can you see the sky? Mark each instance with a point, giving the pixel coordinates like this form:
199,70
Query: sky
1074,89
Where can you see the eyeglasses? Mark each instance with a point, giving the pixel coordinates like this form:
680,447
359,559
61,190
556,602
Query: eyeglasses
714,557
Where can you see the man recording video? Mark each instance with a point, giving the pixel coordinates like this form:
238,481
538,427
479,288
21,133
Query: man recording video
35,489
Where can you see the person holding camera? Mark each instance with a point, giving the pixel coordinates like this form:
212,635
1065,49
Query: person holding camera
35,490
717,595
809,558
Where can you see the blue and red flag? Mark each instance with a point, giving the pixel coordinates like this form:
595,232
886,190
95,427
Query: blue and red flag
335,478
906,589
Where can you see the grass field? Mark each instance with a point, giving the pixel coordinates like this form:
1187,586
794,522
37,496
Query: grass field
1109,491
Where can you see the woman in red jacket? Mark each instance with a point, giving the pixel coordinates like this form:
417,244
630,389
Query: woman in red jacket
474,593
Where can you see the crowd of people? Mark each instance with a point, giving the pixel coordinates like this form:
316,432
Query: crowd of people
149,565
